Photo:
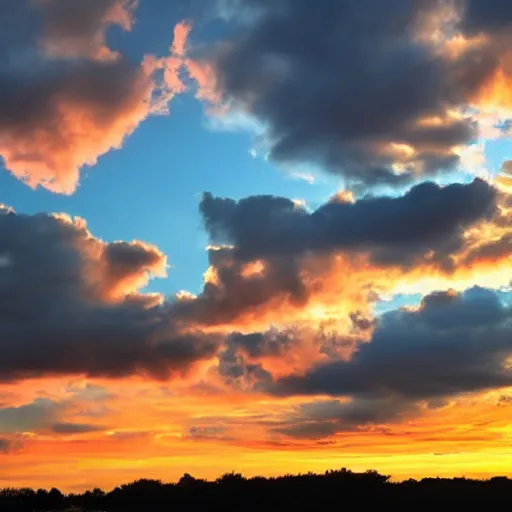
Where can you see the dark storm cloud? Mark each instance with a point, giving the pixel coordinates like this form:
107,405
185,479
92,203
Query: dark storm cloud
69,305
346,84
395,230
452,344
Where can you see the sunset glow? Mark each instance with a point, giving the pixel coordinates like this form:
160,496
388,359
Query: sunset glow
257,237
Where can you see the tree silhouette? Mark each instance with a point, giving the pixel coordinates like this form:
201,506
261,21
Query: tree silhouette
336,489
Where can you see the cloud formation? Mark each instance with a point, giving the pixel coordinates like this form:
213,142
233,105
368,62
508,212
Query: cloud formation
69,304
481,16
66,97
396,230
251,362
29,417
74,29
236,293
325,418
272,260
375,92
451,345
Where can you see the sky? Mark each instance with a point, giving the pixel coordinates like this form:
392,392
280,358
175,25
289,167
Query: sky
264,237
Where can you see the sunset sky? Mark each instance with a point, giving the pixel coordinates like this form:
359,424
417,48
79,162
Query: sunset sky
261,236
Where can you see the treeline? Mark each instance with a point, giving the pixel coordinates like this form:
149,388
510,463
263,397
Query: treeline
333,490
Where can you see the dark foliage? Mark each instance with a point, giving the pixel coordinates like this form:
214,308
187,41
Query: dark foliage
339,490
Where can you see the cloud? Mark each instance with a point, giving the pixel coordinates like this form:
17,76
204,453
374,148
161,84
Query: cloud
181,34
240,374
395,230
66,98
234,293
216,433
488,17
375,92
272,261
69,304
252,362
486,26
325,418
30,417
451,345
5,446
75,428
273,343
46,415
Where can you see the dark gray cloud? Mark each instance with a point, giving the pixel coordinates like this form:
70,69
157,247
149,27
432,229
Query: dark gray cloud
452,344
240,374
345,84
44,414
69,305
488,16
233,294
30,417
324,418
267,248
302,428
394,229
272,343
75,428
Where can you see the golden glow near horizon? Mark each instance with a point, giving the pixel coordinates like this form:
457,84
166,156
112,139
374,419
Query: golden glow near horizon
207,435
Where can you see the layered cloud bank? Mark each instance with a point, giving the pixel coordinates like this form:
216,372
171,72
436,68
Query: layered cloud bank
451,344
287,287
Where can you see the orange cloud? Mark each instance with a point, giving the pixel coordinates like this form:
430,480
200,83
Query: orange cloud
496,92
84,116
204,76
83,99
337,284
